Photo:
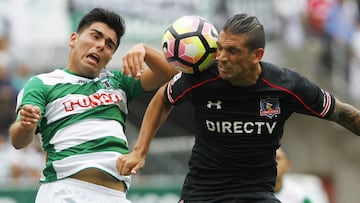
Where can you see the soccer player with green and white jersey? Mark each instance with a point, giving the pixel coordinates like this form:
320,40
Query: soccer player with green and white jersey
79,112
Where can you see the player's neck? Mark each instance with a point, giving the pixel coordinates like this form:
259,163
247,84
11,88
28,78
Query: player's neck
248,79
278,186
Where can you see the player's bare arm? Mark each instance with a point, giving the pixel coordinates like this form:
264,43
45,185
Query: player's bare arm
155,115
23,130
347,116
133,61
159,71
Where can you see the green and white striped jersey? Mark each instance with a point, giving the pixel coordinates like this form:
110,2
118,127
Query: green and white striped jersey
83,120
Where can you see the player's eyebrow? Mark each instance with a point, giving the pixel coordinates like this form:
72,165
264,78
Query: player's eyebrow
111,41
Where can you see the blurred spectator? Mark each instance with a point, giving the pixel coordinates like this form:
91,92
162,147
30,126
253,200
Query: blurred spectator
3,31
339,27
20,76
35,26
20,167
26,164
5,169
4,34
317,14
297,187
341,21
286,190
354,68
3,20
291,14
291,31
7,100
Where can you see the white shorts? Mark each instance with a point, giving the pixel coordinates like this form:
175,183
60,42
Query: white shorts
71,190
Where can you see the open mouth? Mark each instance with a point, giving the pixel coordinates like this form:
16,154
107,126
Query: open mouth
221,67
95,58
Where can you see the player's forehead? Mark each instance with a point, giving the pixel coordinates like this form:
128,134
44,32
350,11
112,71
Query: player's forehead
231,40
103,29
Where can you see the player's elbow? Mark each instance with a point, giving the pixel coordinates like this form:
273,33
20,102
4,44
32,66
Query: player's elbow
19,139
17,144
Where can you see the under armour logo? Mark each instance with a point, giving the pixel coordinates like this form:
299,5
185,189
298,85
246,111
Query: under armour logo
216,104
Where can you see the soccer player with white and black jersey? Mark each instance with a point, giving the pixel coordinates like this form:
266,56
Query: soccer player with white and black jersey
241,105
80,111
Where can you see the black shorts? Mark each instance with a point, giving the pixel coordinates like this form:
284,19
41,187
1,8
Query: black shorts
251,197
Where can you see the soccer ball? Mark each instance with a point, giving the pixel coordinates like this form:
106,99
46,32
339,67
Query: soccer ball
189,44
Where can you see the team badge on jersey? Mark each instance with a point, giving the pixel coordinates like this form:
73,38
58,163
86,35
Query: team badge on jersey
104,79
269,107
106,83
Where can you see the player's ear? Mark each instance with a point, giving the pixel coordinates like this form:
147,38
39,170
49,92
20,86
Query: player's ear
287,165
258,54
73,38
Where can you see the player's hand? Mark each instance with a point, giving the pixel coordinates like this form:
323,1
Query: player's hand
29,116
130,164
133,61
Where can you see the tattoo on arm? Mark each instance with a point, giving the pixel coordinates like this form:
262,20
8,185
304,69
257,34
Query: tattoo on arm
347,116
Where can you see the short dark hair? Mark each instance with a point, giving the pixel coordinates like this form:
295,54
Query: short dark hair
112,19
249,25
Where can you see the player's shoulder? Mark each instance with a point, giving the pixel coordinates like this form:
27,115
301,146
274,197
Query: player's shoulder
272,70
60,76
56,74
209,74
47,77
280,75
193,82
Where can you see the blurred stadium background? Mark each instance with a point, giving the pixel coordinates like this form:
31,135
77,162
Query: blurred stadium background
318,38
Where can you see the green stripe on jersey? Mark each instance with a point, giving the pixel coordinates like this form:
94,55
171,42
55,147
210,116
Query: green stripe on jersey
110,143
66,99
